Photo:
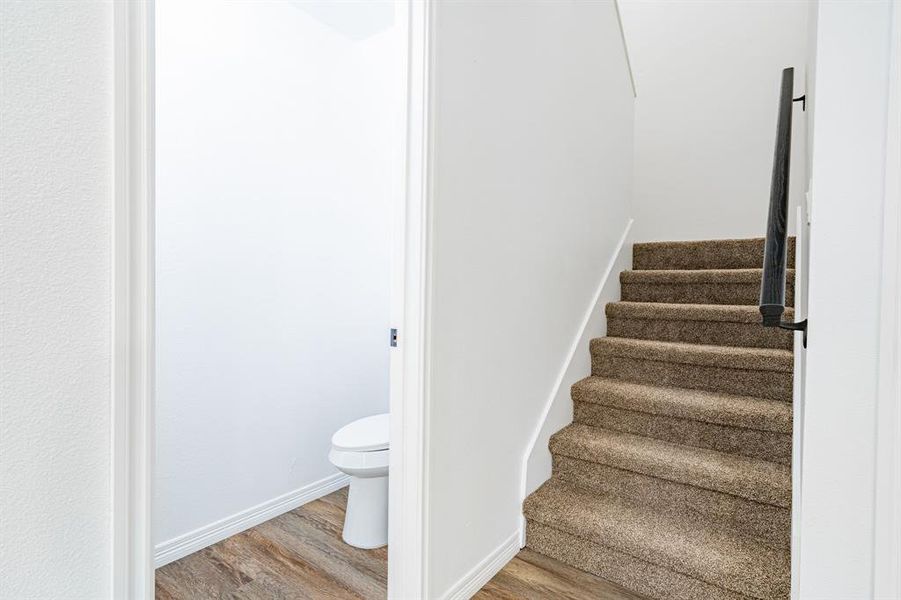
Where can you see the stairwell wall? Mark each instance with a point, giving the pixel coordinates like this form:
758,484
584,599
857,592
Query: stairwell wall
708,76
531,184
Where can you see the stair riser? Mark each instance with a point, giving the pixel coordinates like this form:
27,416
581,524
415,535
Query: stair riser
714,254
765,522
776,385
699,293
736,411
717,333
766,445
652,581
772,487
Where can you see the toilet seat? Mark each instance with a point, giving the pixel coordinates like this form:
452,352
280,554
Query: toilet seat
347,461
369,434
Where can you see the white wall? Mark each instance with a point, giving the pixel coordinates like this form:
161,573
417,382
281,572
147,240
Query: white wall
841,447
531,178
278,144
55,195
708,76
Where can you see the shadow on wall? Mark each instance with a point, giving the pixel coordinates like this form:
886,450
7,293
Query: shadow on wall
357,20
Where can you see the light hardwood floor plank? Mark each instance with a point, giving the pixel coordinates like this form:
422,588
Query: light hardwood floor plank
533,575
300,556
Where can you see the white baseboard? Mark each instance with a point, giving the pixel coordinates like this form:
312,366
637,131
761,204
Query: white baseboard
482,573
200,538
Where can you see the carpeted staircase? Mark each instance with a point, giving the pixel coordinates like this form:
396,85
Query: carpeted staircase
674,479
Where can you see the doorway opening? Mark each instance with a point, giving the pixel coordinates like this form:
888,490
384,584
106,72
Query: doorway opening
270,233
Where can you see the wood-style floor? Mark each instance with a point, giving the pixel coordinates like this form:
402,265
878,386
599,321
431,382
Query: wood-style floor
300,555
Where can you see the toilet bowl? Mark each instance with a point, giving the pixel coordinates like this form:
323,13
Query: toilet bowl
360,449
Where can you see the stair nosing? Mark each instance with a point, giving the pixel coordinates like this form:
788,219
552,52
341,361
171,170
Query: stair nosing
699,478
703,354
674,417
588,396
673,311
692,276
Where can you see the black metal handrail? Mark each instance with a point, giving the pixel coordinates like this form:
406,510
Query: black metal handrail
775,253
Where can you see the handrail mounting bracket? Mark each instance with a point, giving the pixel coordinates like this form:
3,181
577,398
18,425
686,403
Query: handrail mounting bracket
799,326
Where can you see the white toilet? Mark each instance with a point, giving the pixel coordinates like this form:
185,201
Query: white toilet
360,449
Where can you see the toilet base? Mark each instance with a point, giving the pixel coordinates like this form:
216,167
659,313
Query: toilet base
366,518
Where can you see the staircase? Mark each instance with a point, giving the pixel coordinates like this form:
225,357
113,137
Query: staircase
674,479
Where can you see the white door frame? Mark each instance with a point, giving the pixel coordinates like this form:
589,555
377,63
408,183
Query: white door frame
887,508
132,368
410,307
132,335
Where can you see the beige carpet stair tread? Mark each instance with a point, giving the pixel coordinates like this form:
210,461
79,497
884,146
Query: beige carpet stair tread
636,575
741,565
729,357
710,407
753,443
685,277
703,254
766,523
691,323
750,478
674,478
713,286
727,313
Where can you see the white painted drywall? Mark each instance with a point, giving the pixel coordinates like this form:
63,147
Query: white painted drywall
708,76
56,67
840,414
531,176
278,144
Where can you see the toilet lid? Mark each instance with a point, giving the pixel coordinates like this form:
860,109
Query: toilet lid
363,435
